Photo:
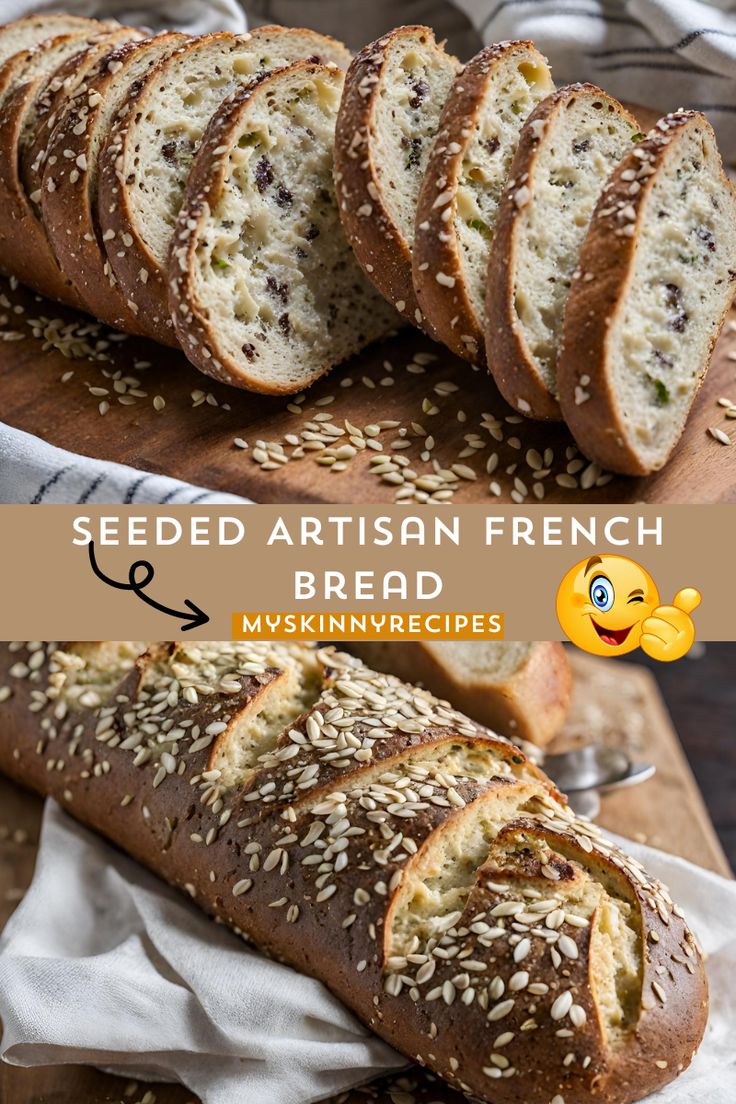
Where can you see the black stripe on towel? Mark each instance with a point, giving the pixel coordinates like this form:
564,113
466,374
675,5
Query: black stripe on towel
619,20
133,488
86,495
681,45
661,66
40,493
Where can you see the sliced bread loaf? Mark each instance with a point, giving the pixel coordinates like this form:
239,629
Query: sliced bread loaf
568,148
394,93
25,248
657,274
70,175
458,202
24,34
265,291
146,161
519,690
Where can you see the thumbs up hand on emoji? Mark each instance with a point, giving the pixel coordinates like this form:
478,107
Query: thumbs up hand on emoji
668,633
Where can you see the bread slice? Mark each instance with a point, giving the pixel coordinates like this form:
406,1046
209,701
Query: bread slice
69,193
50,100
146,161
265,291
23,243
657,275
394,94
465,176
568,148
26,33
520,690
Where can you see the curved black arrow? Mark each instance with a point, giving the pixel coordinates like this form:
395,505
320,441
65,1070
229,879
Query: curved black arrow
191,620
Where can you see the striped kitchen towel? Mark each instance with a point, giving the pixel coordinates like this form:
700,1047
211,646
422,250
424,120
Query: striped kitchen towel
192,16
32,471
664,54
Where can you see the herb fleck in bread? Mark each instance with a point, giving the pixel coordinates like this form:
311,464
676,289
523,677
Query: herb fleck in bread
568,148
657,275
265,291
69,191
147,159
388,120
367,834
463,183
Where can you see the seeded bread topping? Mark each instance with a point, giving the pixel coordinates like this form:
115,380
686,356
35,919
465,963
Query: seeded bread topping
390,111
656,277
569,146
53,96
521,690
365,832
69,186
265,291
463,185
22,236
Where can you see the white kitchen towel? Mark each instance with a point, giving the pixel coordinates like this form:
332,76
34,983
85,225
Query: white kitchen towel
32,471
661,53
102,964
193,16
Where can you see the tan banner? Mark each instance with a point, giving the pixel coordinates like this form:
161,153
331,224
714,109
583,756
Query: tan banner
154,572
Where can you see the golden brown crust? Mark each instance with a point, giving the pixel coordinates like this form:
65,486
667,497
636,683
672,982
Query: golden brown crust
52,99
136,270
380,247
69,210
530,705
24,247
26,250
509,360
587,396
333,921
449,315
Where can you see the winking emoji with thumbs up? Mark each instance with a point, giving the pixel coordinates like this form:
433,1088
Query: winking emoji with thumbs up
609,605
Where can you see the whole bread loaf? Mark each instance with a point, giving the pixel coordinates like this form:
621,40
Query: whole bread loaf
366,833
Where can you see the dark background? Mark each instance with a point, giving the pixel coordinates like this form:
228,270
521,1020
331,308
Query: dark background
700,694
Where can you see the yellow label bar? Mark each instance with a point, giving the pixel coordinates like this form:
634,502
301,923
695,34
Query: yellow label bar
306,625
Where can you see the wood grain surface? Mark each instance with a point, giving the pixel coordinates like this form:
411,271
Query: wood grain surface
192,436
613,703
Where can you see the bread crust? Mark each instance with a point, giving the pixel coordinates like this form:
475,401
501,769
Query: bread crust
530,705
142,280
204,839
24,246
382,251
605,267
449,315
26,250
58,89
69,212
509,360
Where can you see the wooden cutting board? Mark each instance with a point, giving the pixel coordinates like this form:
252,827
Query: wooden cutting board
614,703
442,398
